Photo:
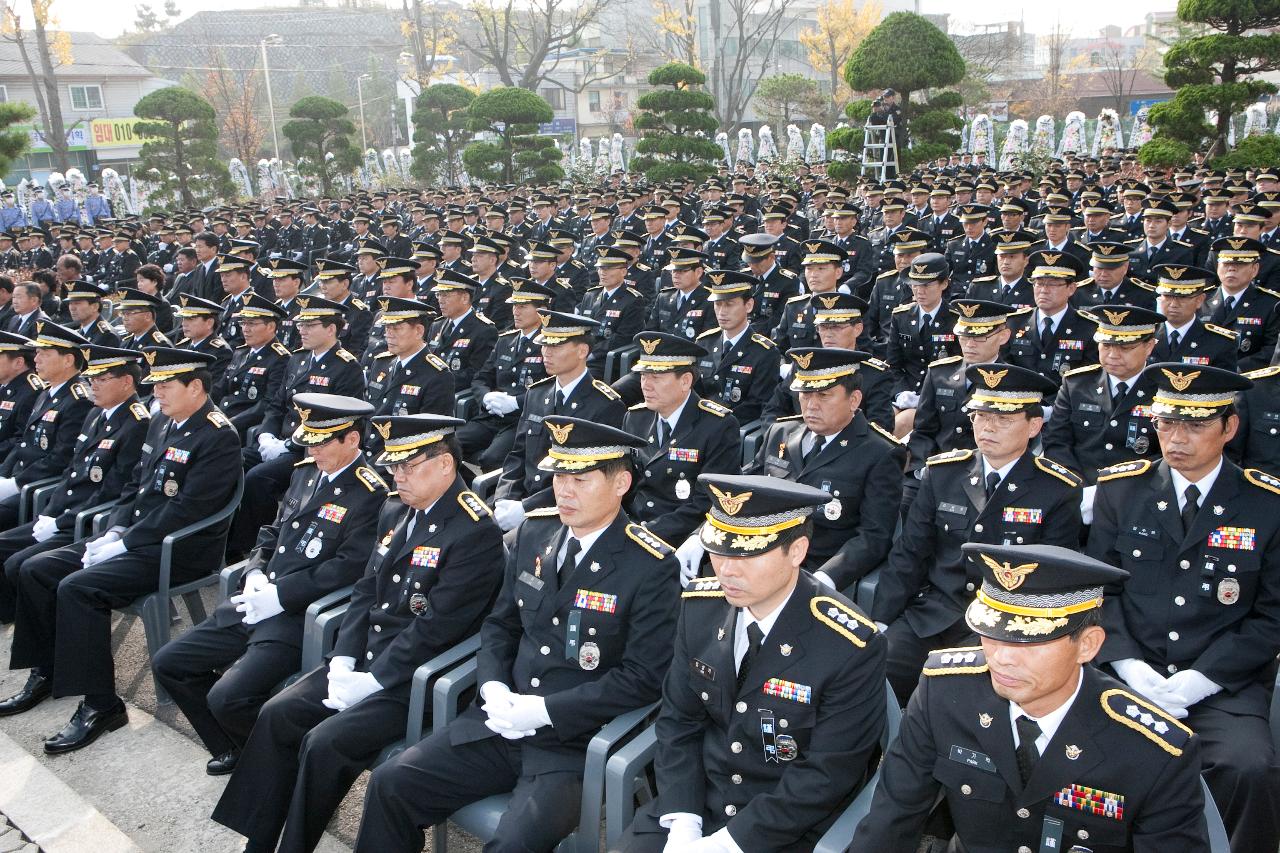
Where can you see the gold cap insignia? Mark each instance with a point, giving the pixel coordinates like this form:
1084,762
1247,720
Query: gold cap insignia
304,301
604,250
560,433
802,359
150,357
84,351
1175,272
1115,318
1009,577
649,344
920,269
716,278
304,415
968,310
40,327
992,377
183,299
384,429
546,321
729,502
1236,244
1103,249
385,304
672,251
1180,381
1051,257
813,247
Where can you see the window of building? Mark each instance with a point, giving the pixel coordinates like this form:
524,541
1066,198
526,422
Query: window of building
86,97
554,96
593,100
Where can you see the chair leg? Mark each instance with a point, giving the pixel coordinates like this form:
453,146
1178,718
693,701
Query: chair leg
155,624
195,607
440,839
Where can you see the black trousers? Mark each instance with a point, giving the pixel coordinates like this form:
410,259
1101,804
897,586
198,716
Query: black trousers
486,440
16,545
639,842
434,778
1238,762
301,758
9,512
64,614
908,652
264,485
220,680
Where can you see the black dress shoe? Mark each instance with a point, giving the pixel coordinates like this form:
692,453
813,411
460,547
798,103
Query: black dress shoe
86,726
35,691
221,765
258,847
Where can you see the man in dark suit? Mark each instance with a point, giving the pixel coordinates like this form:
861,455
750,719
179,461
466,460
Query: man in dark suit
83,301
199,318
1241,303
66,597
429,582
1055,337
619,310
26,309
138,311
256,372
1157,247
581,633
407,378
1181,291
1111,283
1196,628
462,337
19,387
222,671
1032,747
739,369
999,492
773,705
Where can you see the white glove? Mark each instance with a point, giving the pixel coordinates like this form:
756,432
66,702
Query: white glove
1046,412
168,268
8,487
719,841
112,548
1140,675
44,527
259,603
265,438
270,449
342,663
1186,688
348,688
824,578
338,667
500,403
508,514
689,556
906,400
1086,503
881,627
685,830
254,581
522,717
784,370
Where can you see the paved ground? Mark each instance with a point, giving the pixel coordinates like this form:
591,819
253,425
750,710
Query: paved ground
148,780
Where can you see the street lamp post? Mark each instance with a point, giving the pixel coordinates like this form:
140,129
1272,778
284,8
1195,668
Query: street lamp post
266,73
364,141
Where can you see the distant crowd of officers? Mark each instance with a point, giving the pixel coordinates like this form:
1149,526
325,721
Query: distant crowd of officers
651,443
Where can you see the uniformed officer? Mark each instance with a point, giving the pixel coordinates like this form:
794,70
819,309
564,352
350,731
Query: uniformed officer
199,331
832,446
773,705
971,254
618,310
685,435
741,367
581,632
83,301
1009,285
858,269
462,337
1102,412
1241,304
101,463
918,333
1032,747
1157,247
407,378
569,388
721,247
999,493
492,288
683,308
778,283
1185,336
256,372
430,580
514,364
222,671
1194,627
138,311
1257,440
891,289
1055,337
49,432
323,366
1111,283
334,280
823,265
19,387
65,597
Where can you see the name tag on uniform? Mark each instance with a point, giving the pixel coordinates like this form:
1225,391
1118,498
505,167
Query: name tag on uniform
972,758
706,670
1089,407
958,509
536,583
945,392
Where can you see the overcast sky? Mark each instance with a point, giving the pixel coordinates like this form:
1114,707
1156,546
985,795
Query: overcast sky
1082,17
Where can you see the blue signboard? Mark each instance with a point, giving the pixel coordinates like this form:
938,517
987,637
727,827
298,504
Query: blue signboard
559,127
1136,105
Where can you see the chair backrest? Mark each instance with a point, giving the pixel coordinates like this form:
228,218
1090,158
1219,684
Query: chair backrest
1218,841
893,717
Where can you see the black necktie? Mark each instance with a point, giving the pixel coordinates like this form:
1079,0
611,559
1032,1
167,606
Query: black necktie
754,638
559,401
1122,388
1191,507
1230,303
993,483
570,557
1174,339
662,432
1028,755
926,323
818,442
1046,333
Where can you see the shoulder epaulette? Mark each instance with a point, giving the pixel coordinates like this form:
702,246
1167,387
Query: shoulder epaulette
1262,480
951,359
642,266
564,281
36,383
595,287
181,342
714,408
1200,231
876,364
788,273
844,619
714,331
703,588
895,273
907,307
345,355
574,262
969,660
543,381
1134,241
1145,717
474,507
797,298
360,303
1124,469
985,278
1264,372
436,361
888,436
139,412
307,461
646,540
1142,285
1062,472
604,389
1269,292
1219,330
767,343
635,292
508,332
637,407
950,456
1183,243
543,512
371,479
1085,369
219,342
218,419
480,315
383,354
786,418
79,390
